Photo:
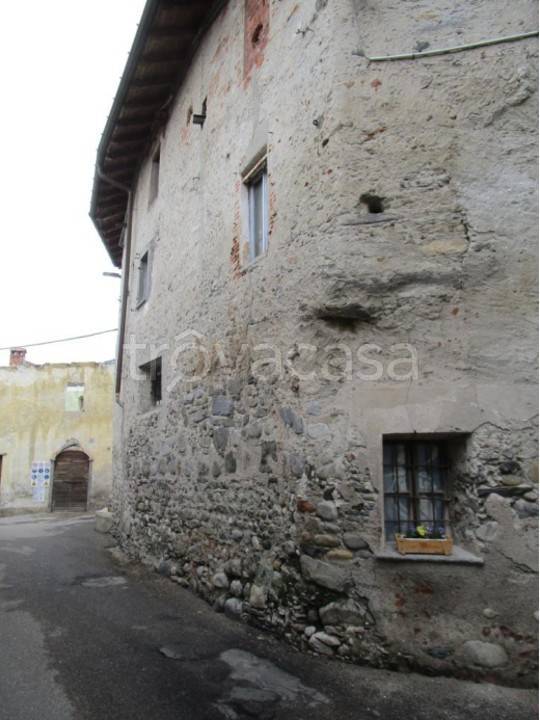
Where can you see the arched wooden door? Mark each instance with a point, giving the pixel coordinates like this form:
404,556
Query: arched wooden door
70,480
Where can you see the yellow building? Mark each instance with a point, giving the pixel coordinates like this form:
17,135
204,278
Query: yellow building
55,434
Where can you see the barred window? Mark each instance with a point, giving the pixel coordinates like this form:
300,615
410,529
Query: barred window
415,485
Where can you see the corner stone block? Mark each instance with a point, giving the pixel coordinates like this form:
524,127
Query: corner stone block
332,577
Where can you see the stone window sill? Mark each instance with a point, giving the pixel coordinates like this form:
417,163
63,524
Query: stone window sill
459,556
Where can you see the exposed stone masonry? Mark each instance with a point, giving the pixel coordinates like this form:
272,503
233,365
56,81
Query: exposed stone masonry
395,299
285,536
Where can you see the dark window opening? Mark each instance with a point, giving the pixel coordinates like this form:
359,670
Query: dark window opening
415,485
374,203
152,371
144,279
154,176
199,118
256,34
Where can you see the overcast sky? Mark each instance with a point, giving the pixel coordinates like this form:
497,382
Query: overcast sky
60,63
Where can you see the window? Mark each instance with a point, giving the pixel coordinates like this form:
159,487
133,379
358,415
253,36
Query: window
143,289
415,484
154,177
152,372
74,398
257,190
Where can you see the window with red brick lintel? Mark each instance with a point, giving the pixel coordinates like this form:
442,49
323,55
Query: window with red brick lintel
256,22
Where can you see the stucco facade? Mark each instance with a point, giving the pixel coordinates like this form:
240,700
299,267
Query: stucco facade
47,409
395,301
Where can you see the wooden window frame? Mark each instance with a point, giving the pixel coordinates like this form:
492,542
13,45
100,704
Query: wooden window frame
413,495
259,172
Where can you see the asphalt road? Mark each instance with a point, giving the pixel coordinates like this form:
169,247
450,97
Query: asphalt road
84,638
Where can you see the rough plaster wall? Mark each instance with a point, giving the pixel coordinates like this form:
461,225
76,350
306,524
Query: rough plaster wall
35,426
223,483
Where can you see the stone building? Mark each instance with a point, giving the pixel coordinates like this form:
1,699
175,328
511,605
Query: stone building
55,435
328,325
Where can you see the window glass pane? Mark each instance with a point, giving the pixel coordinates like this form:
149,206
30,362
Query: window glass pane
422,454
257,216
401,456
425,511
405,515
390,484
438,508
402,479
391,525
423,480
395,469
438,479
390,509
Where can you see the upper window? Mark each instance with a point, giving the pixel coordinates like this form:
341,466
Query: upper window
74,398
143,288
154,177
415,485
257,188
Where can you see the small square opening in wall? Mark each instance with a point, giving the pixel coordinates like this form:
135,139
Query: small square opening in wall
154,176
256,184
152,392
74,398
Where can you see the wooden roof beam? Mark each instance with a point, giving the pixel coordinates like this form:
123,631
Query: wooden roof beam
118,155
108,207
158,57
177,32
153,81
144,119
141,103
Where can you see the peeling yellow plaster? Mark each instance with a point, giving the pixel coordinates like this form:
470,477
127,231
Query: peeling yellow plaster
34,424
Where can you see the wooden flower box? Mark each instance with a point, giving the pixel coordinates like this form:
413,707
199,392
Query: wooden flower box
423,546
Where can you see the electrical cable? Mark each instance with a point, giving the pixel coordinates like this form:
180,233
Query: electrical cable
445,51
52,342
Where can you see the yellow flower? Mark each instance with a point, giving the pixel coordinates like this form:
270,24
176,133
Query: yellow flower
421,531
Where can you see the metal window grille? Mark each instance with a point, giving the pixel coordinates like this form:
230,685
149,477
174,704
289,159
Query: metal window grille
415,485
